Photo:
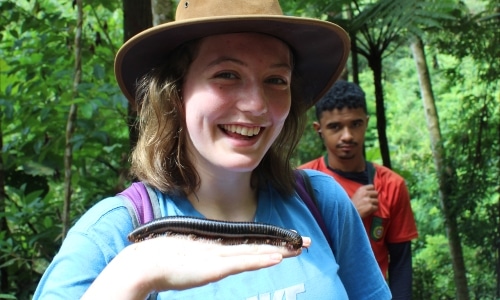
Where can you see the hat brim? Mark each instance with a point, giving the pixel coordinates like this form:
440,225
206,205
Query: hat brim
320,48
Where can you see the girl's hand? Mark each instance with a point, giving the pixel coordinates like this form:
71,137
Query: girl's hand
167,263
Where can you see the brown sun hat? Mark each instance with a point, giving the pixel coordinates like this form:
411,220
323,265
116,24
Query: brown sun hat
320,48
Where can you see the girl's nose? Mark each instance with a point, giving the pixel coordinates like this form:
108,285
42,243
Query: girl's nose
254,100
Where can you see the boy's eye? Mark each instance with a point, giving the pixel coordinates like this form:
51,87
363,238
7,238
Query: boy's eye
334,127
357,124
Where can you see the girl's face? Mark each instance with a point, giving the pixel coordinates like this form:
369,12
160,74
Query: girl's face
237,97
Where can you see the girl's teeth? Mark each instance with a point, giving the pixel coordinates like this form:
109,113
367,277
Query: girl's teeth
242,130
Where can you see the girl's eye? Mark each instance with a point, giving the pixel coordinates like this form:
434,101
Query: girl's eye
226,75
277,80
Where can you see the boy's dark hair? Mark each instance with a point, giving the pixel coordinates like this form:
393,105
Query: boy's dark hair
342,94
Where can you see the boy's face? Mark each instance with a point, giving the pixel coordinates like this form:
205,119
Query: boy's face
343,132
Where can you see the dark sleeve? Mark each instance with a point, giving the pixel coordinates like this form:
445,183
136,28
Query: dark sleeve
400,270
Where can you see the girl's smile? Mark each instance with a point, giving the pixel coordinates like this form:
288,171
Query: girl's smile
241,131
237,97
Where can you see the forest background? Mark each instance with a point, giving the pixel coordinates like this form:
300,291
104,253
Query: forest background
430,70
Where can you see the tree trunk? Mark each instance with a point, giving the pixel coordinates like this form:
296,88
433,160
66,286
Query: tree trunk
375,62
443,172
70,125
498,229
354,52
162,11
4,275
137,17
354,60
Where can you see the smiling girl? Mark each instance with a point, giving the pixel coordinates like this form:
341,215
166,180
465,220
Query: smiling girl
221,94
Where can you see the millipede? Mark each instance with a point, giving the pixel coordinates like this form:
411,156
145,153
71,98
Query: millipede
224,232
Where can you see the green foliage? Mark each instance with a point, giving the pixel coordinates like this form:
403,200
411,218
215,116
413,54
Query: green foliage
465,82
29,244
36,91
433,276
474,150
310,145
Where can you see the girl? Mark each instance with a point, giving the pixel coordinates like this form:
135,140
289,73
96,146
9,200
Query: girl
221,94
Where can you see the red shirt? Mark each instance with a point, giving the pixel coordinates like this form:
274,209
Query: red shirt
393,222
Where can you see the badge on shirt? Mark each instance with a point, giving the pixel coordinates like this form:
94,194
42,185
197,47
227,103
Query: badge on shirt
377,229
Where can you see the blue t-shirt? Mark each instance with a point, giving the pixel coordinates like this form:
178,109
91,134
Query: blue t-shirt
352,273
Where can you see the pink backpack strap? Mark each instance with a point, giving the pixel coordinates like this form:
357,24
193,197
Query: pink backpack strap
306,193
141,202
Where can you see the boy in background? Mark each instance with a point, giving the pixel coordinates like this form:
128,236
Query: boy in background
379,194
